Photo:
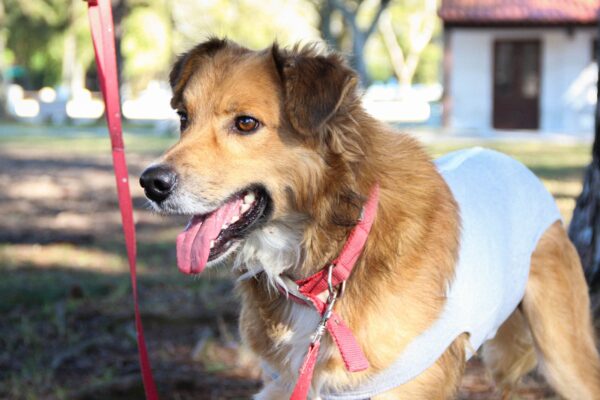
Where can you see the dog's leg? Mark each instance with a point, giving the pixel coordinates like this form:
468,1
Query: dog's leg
438,382
557,308
510,355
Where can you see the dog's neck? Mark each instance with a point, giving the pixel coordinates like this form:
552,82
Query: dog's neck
272,250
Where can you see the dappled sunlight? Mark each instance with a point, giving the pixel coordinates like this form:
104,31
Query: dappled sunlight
63,255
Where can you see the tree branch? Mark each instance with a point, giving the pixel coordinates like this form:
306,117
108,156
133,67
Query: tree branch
382,6
389,39
348,15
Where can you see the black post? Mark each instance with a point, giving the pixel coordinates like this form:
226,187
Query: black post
596,147
584,230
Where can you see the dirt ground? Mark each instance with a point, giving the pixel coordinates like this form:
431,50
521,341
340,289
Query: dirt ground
66,326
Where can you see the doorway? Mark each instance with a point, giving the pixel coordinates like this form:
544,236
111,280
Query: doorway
516,84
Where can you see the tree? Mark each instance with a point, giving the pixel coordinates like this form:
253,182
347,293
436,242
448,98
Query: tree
146,53
65,51
406,39
359,33
77,51
254,24
25,20
584,230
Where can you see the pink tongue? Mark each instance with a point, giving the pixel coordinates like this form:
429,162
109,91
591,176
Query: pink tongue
193,244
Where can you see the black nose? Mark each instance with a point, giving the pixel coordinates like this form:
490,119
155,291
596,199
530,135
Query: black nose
158,182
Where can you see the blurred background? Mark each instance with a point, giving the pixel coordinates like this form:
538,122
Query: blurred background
516,75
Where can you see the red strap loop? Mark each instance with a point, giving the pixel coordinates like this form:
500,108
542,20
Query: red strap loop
101,23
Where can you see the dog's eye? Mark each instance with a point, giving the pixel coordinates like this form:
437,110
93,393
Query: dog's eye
246,124
183,119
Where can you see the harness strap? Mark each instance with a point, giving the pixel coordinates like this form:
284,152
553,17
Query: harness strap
101,23
352,249
328,279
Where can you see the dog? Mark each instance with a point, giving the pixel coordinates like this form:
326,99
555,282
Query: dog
282,172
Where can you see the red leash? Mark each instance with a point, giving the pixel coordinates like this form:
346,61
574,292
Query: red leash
101,23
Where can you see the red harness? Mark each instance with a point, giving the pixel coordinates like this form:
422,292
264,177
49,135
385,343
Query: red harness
101,24
332,280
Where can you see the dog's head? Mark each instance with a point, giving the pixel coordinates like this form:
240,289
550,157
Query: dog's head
254,142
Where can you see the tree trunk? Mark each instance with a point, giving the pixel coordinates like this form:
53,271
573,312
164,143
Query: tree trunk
69,58
119,9
358,54
325,11
3,77
584,230
359,36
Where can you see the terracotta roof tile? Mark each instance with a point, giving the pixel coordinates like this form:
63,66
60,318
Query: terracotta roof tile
529,12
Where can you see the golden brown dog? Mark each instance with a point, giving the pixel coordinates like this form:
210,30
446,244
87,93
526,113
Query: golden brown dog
283,134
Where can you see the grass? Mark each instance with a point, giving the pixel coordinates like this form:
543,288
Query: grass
81,141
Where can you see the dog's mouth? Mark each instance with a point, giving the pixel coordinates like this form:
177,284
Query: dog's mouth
209,237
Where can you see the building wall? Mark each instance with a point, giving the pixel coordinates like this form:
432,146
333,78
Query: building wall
566,58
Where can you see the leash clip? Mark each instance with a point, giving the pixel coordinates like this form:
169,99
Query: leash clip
324,318
333,295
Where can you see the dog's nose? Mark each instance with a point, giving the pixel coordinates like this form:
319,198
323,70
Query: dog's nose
158,182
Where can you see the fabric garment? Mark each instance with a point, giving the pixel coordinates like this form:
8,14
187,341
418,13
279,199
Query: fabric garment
504,210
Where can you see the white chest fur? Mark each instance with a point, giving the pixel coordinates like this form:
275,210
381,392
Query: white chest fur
272,250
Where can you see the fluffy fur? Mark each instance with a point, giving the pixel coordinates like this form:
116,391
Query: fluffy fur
318,153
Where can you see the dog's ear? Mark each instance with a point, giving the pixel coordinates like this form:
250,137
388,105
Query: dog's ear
188,63
315,86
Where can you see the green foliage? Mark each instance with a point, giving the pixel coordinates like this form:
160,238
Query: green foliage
146,46
31,25
251,23
429,67
154,31
35,37
378,63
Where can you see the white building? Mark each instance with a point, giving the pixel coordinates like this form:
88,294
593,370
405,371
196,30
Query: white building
520,64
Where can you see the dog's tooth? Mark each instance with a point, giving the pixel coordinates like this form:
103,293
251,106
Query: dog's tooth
249,198
212,244
245,207
235,219
225,225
